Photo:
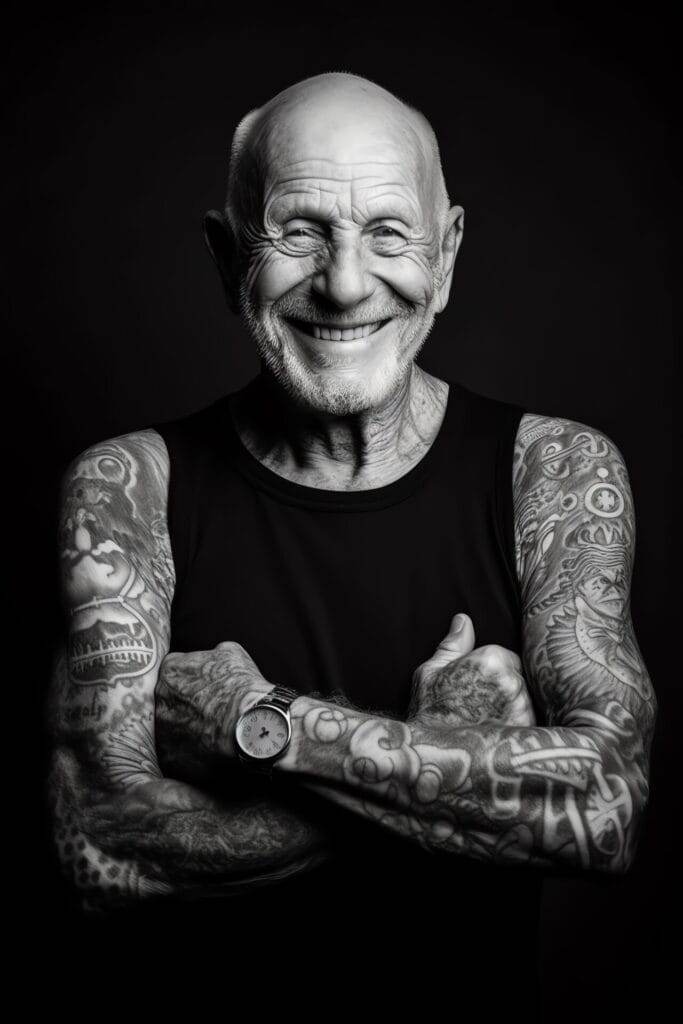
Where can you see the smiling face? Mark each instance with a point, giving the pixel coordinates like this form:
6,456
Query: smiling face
347,242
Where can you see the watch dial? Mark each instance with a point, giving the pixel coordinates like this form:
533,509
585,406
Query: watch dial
262,732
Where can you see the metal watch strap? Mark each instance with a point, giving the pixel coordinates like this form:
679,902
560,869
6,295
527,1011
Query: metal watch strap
281,697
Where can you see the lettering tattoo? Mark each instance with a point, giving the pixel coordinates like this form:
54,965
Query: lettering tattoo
571,792
122,829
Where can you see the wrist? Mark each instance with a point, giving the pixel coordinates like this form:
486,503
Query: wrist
297,710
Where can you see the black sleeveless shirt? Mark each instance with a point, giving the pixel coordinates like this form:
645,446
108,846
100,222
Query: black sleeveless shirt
346,593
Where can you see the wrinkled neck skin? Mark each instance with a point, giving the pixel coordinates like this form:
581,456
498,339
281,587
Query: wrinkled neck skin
368,449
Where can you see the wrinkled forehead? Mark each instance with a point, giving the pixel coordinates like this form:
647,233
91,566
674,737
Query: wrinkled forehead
339,145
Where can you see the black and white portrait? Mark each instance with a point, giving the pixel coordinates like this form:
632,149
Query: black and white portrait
348,366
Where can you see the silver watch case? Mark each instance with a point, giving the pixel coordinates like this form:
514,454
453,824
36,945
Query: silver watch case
263,764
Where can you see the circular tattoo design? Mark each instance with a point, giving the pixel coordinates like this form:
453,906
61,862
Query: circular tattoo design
604,500
569,502
442,830
326,725
366,769
111,468
429,783
602,472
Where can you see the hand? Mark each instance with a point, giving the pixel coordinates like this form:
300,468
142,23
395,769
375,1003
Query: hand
199,697
462,685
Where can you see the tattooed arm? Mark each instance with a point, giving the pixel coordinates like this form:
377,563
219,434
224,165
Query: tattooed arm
122,829
569,793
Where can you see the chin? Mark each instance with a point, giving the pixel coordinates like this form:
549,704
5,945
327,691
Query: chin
337,390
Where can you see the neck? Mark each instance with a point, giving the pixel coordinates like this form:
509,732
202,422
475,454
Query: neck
367,449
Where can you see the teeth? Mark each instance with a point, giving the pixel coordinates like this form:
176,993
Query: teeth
349,334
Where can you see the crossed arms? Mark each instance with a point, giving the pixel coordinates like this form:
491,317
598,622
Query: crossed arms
468,772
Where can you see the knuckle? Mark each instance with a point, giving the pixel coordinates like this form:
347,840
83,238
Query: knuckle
229,646
497,659
514,661
491,657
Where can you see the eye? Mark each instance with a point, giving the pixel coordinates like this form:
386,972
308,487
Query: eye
294,230
387,238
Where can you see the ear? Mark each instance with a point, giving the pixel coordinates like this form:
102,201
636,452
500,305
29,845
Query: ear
451,243
222,244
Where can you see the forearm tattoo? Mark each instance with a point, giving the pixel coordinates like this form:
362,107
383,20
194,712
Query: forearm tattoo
122,829
571,792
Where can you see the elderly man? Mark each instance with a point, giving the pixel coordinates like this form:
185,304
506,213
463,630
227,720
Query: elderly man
352,645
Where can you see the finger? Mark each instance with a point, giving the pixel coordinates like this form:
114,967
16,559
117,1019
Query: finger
458,641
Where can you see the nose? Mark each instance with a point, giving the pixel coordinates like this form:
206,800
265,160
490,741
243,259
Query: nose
344,280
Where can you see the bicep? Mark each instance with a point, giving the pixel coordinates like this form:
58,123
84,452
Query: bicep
117,581
575,540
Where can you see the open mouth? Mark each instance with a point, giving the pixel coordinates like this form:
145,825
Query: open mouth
330,332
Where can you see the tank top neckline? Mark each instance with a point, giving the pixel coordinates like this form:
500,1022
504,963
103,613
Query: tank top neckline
291,493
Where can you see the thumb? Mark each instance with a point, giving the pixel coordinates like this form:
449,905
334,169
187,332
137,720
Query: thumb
458,641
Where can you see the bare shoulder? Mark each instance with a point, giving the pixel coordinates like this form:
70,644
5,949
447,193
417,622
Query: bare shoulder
123,458
556,446
571,465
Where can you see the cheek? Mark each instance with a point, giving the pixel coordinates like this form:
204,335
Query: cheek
272,274
410,276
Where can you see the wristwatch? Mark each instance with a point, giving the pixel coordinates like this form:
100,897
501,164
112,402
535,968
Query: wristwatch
263,731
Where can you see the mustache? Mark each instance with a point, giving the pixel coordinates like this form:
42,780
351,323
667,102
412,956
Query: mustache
313,312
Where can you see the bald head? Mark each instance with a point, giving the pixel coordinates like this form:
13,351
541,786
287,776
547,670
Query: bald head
337,117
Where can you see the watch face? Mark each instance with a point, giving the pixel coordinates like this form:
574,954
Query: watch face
263,732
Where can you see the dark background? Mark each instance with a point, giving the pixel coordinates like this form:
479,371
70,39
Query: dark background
556,130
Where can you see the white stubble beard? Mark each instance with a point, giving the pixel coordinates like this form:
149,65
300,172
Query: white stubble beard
322,390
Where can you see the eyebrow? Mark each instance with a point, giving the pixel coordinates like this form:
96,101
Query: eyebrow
303,204
300,203
391,206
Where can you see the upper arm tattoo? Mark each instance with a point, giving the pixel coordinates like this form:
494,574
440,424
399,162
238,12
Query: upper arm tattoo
117,585
575,543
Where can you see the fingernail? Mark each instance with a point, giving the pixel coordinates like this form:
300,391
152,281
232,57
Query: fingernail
458,623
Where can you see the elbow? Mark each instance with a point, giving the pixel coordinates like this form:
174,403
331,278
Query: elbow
636,830
97,877
622,865
73,829
614,808
625,836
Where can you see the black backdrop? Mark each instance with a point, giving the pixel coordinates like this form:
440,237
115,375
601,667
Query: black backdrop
556,135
